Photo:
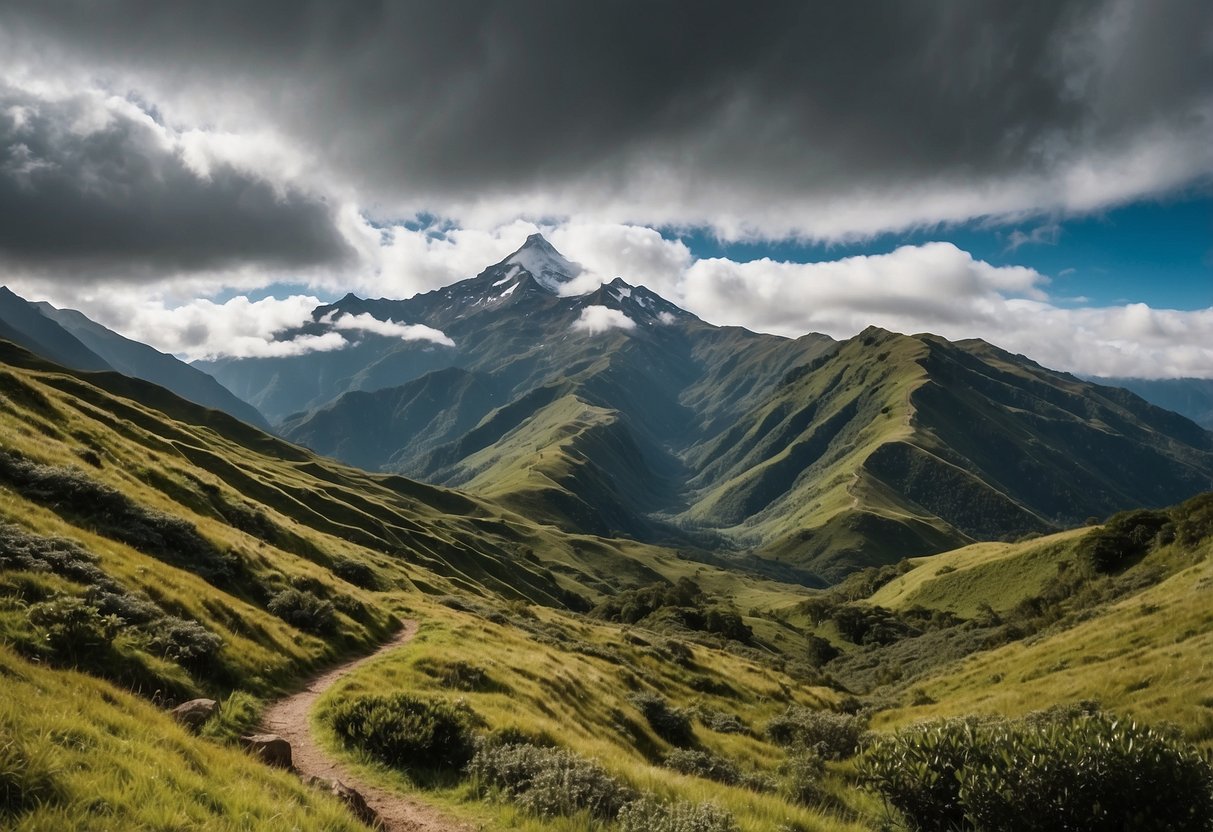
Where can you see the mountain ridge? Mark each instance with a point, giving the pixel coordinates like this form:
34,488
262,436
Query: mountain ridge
617,411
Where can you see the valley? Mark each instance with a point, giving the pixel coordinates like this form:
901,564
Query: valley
708,594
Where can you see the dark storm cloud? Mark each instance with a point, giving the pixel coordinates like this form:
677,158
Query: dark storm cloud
455,100
94,188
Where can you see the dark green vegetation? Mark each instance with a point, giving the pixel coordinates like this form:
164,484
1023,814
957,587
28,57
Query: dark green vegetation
1051,772
406,731
809,453
153,550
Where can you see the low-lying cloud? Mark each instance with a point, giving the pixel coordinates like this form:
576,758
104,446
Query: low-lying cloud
596,320
366,322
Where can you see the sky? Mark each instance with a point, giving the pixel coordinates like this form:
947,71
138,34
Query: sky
200,175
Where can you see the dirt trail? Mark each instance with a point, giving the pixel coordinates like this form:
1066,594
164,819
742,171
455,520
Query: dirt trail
288,718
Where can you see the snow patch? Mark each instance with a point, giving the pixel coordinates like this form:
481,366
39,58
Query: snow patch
510,275
509,291
666,318
598,319
548,266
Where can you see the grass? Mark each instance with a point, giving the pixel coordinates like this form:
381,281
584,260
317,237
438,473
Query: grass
106,760
1145,655
567,681
82,751
998,574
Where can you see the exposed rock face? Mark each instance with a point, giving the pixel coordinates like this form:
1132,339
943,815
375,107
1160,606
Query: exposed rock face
271,748
195,712
351,798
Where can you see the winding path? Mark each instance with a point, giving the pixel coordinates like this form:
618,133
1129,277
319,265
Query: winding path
288,718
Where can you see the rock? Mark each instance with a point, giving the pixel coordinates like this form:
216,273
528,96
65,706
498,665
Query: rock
354,801
271,748
195,712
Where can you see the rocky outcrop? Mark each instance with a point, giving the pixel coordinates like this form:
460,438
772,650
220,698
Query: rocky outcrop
195,712
353,800
270,748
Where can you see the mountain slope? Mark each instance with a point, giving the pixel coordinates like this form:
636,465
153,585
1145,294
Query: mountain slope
136,359
617,412
23,323
1191,397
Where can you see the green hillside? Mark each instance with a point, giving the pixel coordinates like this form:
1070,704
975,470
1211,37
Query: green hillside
152,550
818,455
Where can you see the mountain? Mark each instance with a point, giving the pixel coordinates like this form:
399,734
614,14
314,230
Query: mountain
615,412
138,360
67,337
1192,397
23,323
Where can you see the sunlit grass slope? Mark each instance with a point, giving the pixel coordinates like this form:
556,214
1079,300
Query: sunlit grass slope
998,574
1146,654
80,754
538,674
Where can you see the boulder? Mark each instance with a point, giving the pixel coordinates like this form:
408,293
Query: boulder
195,712
354,801
270,748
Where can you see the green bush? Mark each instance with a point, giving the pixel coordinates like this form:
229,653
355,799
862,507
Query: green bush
549,782
1050,773
833,736
72,493
671,724
406,731
73,628
183,641
800,777
651,815
703,764
303,609
722,722
355,572
1123,539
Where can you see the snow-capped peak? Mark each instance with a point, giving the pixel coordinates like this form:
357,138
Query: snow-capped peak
547,265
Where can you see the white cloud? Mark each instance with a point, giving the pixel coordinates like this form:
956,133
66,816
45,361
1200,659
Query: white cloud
598,319
366,322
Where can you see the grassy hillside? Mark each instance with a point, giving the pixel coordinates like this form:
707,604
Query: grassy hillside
152,550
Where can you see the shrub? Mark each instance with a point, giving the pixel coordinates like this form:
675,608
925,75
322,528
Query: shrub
819,651
722,722
1124,538
1050,772
704,764
74,628
303,609
355,572
800,777
549,781
71,492
187,642
832,735
651,815
671,724
403,730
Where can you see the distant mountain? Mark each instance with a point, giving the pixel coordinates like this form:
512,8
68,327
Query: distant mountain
67,337
1192,397
617,412
138,360
24,324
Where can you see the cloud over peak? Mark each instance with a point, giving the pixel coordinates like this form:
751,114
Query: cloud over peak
596,320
